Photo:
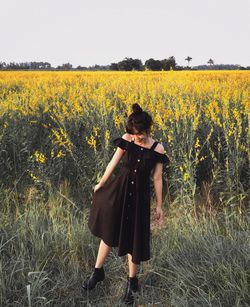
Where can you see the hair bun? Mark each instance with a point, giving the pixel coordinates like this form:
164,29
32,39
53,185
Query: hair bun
136,108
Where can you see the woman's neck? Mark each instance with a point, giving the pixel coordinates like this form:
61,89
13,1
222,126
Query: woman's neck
145,142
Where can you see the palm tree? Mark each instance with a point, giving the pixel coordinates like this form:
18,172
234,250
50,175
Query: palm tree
188,59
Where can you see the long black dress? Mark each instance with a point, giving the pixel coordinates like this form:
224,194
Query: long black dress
120,210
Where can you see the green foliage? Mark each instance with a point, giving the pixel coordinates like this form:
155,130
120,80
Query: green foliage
47,250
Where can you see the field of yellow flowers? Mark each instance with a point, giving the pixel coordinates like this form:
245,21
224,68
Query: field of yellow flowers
56,131
58,126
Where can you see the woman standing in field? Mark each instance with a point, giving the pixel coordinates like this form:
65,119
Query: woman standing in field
120,212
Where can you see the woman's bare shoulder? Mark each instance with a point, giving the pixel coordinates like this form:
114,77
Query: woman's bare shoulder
159,148
127,137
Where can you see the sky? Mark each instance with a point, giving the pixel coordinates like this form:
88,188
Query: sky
89,32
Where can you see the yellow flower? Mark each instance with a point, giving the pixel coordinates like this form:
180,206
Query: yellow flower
96,130
92,142
244,148
185,176
40,157
60,154
117,121
170,138
35,178
197,145
61,138
203,158
107,135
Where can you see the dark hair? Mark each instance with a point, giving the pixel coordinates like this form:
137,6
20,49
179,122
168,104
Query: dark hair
138,120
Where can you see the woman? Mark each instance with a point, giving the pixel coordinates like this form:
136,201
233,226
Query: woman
120,212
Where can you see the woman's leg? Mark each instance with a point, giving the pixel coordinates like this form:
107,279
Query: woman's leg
98,274
131,266
103,252
132,282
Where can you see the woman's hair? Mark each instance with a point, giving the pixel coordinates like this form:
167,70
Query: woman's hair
138,120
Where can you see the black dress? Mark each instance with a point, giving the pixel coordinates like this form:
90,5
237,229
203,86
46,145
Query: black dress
120,210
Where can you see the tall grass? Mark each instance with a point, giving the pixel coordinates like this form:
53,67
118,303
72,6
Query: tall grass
47,251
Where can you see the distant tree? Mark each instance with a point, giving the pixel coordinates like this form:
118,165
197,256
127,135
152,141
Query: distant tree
66,66
113,66
47,65
177,67
188,59
129,64
12,65
210,62
137,64
3,65
219,67
81,67
96,67
169,63
126,64
152,64
26,65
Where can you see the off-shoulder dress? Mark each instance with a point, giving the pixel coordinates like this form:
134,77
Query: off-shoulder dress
120,209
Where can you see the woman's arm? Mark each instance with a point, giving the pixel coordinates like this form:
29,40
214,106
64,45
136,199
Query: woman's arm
158,192
157,179
112,165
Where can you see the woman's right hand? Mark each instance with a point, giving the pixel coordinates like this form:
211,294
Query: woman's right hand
97,186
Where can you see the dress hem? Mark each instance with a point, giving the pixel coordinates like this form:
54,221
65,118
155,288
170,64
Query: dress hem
119,254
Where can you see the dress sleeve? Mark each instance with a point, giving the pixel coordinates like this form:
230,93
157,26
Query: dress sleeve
162,158
120,142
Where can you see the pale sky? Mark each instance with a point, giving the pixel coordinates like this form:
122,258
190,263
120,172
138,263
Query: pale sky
89,32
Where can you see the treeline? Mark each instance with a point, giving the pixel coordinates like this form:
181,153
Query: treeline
127,64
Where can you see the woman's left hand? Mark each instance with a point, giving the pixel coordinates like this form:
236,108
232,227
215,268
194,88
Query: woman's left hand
159,215
97,187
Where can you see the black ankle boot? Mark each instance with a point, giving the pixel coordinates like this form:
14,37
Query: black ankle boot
131,288
97,276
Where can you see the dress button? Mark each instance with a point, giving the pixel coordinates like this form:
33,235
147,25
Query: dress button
135,170
141,148
138,160
132,182
130,193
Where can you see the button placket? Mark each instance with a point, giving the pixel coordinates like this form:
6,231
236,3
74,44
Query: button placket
132,184
130,194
